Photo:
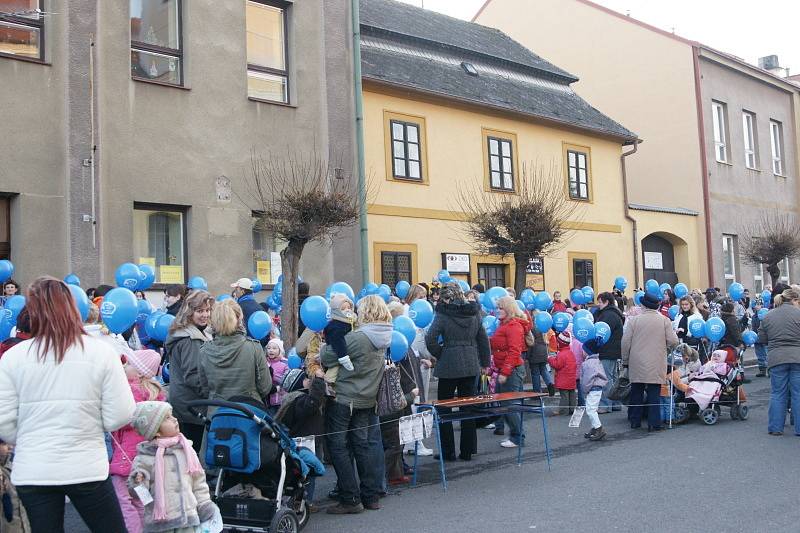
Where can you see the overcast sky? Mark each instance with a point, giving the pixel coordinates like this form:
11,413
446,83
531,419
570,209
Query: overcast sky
746,28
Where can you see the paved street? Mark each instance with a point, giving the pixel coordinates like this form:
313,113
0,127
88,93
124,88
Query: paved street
730,477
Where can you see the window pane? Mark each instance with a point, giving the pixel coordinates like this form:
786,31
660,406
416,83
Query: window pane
413,133
494,163
507,164
572,159
397,131
158,240
573,189
400,167
584,191
581,160
152,66
266,86
496,180
413,170
155,22
506,148
720,153
413,152
493,148
582,175
399,149
573,174
19,40
507,182
265,37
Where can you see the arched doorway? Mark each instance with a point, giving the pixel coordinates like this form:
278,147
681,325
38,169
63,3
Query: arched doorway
658,259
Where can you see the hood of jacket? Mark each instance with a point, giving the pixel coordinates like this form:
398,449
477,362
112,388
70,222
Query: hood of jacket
378,333
192,331
461,313
347,317
222,351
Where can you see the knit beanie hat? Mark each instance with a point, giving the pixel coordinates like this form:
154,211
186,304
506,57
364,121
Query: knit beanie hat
564,338
148,416
650,301
279,344
146,362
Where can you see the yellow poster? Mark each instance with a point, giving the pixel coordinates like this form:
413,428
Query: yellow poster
148,261
170,274
264,272
535,281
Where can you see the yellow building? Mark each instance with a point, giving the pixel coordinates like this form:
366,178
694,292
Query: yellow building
448,104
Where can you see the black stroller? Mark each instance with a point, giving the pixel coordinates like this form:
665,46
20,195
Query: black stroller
248,447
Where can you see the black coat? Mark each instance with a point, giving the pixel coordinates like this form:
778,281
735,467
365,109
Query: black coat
733,333
303,415
615,320
465,346
537,353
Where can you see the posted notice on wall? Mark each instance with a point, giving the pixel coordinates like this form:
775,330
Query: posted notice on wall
275,266
264,272
653,261
170,274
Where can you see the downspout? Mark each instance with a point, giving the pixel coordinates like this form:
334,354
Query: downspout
701,130
628,213
359,109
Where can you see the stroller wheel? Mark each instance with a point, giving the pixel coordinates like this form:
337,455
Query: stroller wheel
709,416
735,412
744,411
284,521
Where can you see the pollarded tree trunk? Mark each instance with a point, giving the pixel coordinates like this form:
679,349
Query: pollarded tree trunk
774,273
521,263
290,265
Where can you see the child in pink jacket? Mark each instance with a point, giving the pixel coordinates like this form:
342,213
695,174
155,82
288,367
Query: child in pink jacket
141,368
276,359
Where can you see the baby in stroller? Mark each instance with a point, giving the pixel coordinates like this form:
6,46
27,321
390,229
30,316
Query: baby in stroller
717,384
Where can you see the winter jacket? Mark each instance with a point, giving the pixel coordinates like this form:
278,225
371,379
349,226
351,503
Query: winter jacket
611,315
733,332
537,354
508,345
779,330
56,414
566,369
302,411
645,343
339,326
465,348
755,324
233,365
188,499
278,369
10,342
183,352
126,439
249,306
366,347
592,373
174,308
682,321
559,307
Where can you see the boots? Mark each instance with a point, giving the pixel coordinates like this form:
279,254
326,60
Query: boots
599,434
591,434
762,372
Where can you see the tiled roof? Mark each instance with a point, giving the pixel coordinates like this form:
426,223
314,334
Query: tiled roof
660,209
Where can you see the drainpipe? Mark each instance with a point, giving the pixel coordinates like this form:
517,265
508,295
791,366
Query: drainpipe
359,109
701,130
628,213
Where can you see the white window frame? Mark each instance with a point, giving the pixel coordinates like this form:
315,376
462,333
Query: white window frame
719,120
729,250
786,271
776,144
750,138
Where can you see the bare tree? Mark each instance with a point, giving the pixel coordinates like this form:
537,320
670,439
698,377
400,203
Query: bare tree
298,198
530,223
772,240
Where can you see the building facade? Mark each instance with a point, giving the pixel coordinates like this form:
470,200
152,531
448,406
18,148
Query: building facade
128,131
449,106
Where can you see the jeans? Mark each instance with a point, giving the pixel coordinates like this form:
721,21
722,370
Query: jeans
611,369
592,401
376,452
539,370
653,404
349,437
451,388
514,384
761,355
665,408
785,379
95,501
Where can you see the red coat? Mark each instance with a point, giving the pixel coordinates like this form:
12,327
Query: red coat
566,369
126,439
508,345
559,307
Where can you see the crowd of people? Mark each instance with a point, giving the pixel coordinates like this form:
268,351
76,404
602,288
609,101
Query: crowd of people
95,416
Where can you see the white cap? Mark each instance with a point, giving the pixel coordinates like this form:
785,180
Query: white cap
243,283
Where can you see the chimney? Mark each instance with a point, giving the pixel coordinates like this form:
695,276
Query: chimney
771,65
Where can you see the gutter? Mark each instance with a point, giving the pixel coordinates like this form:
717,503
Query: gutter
628,216
358,97
701,130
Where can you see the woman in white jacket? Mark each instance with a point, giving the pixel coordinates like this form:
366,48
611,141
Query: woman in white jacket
687,312
59,392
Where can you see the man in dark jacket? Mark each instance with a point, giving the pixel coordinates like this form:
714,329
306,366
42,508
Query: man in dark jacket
243,294
610,352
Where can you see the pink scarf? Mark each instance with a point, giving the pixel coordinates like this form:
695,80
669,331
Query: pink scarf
193,466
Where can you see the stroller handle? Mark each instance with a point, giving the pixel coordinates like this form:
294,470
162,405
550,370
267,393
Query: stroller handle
221,403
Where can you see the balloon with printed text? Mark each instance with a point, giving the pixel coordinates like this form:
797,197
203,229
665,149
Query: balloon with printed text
561,321
128,276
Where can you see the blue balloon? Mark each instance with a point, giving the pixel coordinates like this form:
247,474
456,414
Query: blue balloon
398,347
576,297
151,322
583,329
294,361
128,276
637,298
6,270
197,283
145,309
385,292
620,283
736,291
119,309
766,297
588,294
257,285
259,325
149,277
543,321
663,288
72,279
521,305
762,313
222,297
715,329
673,311
651,287
165,373
443,276
421,312
490,324
340,287
273,303
528,299
14,305
492,295
602,331
583,313
697,327
162,327
401,288
543,301
5,328
278,289
681,290
749,337
315,313
463,284
370,289
81,301
561,321
406,326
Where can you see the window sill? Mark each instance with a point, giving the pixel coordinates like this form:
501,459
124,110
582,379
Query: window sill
751,169
161,83
584,200
407,180
26,59
501,191
784,176
724,163
271,102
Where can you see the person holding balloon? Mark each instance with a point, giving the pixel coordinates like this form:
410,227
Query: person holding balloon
610,352
187,334
688,312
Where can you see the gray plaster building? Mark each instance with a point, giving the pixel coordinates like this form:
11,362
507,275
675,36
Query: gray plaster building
750,125
127,129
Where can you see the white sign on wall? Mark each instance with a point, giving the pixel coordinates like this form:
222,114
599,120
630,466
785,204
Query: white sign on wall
653,261
457,263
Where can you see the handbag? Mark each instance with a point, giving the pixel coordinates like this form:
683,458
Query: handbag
390,393
621,389
529,340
